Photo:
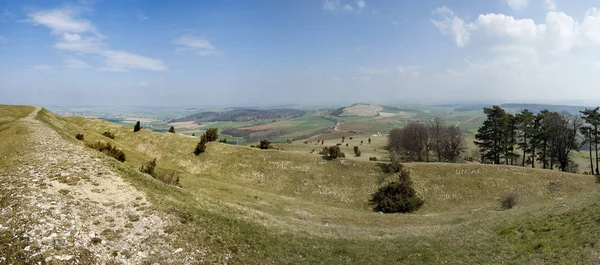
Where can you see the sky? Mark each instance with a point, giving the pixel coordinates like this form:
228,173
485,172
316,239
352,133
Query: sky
272,52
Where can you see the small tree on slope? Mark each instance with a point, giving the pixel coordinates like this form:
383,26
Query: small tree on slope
397,197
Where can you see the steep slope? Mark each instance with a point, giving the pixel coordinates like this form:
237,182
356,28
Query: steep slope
66,203
272,207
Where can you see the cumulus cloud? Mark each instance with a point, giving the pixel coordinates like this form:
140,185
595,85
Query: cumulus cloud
533,57
517,4
197,45
80,36
551,4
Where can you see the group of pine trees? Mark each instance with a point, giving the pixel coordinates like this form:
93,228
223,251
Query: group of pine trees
418,141
546,138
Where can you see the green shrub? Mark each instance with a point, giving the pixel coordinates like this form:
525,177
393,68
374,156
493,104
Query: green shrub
373,158
332,152
109,135
108,149
201,147
148,167
397,197
224,140
172,129
137,127
356,151
212,134
508,200
79,136
265,144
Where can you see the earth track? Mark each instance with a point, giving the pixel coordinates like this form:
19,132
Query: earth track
70,206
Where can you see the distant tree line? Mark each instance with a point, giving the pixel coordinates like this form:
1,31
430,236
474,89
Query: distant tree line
547,137
424,142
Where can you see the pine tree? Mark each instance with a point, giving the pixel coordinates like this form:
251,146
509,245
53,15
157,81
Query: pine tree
525,121
491,136
592,117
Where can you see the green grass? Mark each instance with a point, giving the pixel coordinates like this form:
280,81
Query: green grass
273,207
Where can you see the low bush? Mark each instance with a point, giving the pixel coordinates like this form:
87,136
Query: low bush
397,197
373,158
79,136
332,152
137,127
224,140
107,149
265,144
508,200
148,167
172,129
109,135
167,177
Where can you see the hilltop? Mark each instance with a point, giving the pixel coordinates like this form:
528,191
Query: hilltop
243,205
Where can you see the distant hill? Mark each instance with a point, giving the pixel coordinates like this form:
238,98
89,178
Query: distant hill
241,115
358,110
521,106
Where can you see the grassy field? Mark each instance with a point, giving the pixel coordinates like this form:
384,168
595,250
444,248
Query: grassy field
242,205
254,206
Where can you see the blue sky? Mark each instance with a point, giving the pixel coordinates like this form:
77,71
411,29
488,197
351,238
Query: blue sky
206,53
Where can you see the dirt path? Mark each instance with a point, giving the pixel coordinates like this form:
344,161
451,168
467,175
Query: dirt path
75,209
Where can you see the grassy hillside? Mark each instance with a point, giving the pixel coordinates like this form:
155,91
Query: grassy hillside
257,206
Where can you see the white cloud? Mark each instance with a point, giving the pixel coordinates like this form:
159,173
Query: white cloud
41,67
143,84
336,5
200,46
331,4
141,16
452,25
361,4
375,11
551,4
75,63
62,20
525,58
81,36
120,60
517,4
374,71
408,70
5,16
